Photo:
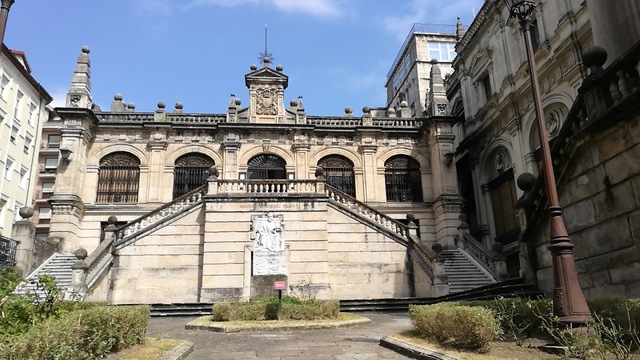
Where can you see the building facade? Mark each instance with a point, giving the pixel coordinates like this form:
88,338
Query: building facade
351,206
409,78
23,109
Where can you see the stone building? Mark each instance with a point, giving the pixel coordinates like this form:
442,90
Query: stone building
177,207
497,139
409,77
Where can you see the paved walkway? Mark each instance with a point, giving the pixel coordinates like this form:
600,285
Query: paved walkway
352,343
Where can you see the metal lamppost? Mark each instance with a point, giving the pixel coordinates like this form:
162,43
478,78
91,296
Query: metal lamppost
4,14
569,304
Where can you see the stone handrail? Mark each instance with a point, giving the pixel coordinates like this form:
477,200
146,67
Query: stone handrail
382,221
422,258
398,122
135,228
334,121
605,96
267,187
125,116
99,260
197,118
478,252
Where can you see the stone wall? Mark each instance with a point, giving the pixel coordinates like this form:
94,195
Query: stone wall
601,201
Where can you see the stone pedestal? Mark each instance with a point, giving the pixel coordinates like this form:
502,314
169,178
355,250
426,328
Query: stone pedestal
262,285
24,232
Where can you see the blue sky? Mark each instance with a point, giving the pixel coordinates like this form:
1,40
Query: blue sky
336,52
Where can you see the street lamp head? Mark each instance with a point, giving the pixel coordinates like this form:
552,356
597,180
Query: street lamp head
520,9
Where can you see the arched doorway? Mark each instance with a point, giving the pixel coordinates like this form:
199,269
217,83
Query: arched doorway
338,172
266,166
118,178
190,172
402,179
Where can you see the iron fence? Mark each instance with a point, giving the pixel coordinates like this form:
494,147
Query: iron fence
7,251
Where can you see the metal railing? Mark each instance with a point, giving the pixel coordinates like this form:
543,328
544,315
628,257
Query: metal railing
7,251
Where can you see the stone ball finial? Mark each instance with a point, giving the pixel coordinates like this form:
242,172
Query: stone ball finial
214,171
179,105
404,104
434,61
279,68
161,105
437,248
85,49
112,219
391,110
319,171
131,106
81,254
253,67
594,57
526,181
293,103
266,59
348,110
26,212
117,97
238,102
366,110
410,217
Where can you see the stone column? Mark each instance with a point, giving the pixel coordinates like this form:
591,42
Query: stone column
24,233
157,189
230,166
445,181
301,150
77,290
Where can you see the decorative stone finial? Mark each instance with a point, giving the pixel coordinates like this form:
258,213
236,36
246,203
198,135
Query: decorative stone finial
279,68
81,254
404,104
594,58
117,97
85,49
253,67
179,106
526,181
410,217
238,102
161,105
131,106
319,172
26,212
462,217
112,219
214,173
293,103
348,111
366,110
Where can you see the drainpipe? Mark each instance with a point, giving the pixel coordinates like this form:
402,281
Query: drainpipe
4,14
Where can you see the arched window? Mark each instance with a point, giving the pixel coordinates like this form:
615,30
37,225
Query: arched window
338,172
118,178
402,179
191,171
266,166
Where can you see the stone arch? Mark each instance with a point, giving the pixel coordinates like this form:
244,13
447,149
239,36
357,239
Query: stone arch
190,171
339,172
174,155
496,159
555,107
355,158
266,166
423,160
257,150
134,150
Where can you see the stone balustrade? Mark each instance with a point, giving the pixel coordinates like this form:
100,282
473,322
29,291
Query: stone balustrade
267,187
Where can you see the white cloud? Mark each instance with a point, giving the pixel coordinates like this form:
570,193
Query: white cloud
429,12
319,8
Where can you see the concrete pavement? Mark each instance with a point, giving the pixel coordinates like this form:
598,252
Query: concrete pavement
352,343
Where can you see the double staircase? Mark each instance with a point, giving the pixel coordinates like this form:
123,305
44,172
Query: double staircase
463,273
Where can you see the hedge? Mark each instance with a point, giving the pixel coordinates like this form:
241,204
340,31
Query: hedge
267,309
450,324
89,333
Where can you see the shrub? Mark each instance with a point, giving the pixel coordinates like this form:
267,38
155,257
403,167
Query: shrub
267,309
84,334
458,326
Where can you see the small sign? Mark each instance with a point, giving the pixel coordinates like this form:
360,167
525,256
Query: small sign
279,285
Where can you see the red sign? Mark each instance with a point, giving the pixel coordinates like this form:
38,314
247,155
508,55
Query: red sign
279,285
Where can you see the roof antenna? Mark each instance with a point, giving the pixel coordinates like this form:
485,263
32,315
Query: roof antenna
266,57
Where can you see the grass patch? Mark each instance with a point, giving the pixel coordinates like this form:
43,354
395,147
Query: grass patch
152,349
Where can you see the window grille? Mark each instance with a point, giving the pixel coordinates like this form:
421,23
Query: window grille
402,179
266,166
191,171
338,172
118,178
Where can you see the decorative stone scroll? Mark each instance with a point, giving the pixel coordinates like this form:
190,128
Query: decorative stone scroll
267,233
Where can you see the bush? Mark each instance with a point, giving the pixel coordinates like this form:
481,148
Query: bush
458,326
267,309
84,334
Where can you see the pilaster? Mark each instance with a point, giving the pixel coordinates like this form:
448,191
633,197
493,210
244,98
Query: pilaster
230,148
